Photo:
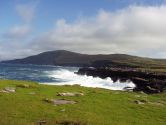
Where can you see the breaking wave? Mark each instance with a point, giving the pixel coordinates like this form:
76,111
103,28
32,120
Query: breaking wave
68,77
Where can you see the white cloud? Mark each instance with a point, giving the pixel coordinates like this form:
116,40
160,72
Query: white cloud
18,32
137,30
26,11
13,42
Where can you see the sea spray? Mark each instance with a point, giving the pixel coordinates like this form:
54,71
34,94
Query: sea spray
68,77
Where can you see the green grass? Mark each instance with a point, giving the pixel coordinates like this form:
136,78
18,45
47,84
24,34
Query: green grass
96,107
144,64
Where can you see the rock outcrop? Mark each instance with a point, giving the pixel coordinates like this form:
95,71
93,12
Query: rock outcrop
148,82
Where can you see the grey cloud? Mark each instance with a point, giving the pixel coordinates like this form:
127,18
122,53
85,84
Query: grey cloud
137,30
134,30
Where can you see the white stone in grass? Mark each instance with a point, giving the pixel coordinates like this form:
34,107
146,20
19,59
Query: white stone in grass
70,94
8,90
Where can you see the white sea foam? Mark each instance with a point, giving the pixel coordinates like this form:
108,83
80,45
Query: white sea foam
68,77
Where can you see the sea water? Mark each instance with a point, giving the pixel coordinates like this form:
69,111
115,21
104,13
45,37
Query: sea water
57,75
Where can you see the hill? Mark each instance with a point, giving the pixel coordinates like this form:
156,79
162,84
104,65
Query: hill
67,58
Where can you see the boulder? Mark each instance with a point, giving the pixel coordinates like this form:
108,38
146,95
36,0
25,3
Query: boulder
140,102
70,94
8,90
41,122
59,101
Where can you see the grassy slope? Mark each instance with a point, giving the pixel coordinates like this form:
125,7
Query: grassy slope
147,64
96,107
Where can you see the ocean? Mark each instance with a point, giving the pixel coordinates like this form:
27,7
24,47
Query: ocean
57,75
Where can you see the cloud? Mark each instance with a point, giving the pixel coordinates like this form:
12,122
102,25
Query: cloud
18,32
136,30
26,11
13,42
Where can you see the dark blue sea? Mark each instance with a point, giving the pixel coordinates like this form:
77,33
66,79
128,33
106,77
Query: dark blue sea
56,75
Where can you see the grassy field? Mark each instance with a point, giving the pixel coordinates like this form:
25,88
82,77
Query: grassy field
96,107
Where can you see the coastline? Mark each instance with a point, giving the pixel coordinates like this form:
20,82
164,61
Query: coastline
148,82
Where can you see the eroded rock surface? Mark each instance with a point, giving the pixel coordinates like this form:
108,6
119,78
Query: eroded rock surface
148,82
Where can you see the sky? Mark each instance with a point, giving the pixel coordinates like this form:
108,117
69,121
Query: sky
135,27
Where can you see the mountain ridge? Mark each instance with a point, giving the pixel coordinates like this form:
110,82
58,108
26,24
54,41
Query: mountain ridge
68,58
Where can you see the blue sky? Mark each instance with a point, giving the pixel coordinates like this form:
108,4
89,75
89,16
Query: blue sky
48,11
31,22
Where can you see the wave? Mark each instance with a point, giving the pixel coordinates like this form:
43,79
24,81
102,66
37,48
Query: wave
68,77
